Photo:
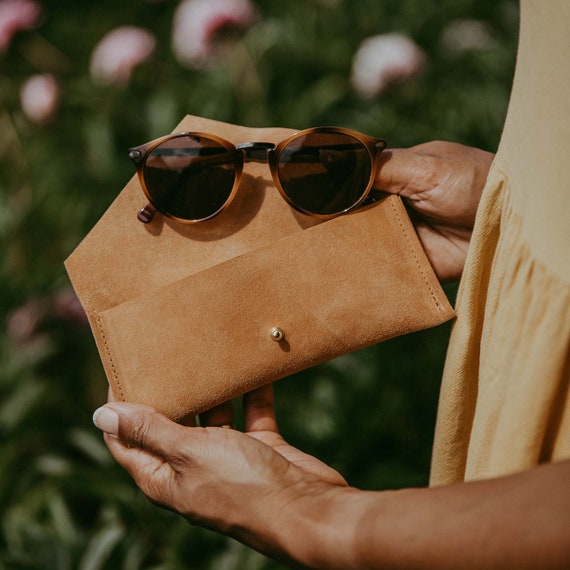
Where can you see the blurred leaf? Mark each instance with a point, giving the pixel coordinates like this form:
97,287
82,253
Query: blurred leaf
20,403
91,444
62,519
100,547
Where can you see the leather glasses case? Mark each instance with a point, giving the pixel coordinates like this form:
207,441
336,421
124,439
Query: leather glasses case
186,316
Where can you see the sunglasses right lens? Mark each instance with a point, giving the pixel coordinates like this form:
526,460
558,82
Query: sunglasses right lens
324,172
190,177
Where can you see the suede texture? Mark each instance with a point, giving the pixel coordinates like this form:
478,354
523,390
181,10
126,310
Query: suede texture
182,313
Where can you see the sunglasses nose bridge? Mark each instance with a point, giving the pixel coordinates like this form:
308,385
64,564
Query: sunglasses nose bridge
256,151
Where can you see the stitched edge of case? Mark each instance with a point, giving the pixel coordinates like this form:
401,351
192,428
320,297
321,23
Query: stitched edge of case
110,360
414,255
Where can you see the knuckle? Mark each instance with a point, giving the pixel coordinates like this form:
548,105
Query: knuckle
139,429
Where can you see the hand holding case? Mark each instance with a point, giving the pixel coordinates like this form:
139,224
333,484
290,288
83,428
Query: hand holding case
183,314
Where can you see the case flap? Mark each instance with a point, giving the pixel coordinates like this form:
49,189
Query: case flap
335,288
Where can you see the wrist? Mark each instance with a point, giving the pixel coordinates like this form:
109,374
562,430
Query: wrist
300,525
322,526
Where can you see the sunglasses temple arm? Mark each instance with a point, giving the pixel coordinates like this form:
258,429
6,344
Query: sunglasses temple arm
146,214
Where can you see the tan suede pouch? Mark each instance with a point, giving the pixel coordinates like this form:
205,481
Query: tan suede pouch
182,313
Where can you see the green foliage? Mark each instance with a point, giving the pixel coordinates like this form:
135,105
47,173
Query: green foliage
64,502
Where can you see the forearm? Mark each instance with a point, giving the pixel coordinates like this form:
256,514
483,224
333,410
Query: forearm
521,521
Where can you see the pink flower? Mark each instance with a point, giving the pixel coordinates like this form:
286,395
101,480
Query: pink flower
199,25
66,307
16,15
382,60
119,52
39,98
25,322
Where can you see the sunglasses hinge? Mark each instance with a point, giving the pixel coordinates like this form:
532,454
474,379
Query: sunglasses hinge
255,151
135,155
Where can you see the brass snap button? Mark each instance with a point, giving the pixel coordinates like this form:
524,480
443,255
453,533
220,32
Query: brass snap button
277,334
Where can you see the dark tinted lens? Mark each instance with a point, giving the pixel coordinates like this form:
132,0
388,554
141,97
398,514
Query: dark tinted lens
190,177
324,173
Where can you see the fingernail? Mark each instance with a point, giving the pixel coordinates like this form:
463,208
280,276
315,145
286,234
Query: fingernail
106,420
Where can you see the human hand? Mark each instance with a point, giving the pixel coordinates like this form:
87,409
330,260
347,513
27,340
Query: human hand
256,488
441,182
241,484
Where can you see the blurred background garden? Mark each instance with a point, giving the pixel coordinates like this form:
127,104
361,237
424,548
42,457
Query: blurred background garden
80,82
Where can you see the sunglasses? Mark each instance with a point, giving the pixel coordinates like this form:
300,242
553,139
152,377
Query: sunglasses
192,177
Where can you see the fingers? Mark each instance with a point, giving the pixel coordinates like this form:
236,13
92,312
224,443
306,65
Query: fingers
219,416
143,427
259,410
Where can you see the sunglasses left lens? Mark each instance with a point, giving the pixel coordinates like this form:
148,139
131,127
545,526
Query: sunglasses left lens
190,177
324,172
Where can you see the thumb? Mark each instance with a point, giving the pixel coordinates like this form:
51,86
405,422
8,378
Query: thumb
400,171
138,426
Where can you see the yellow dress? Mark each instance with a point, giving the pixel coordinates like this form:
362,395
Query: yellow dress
504,404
